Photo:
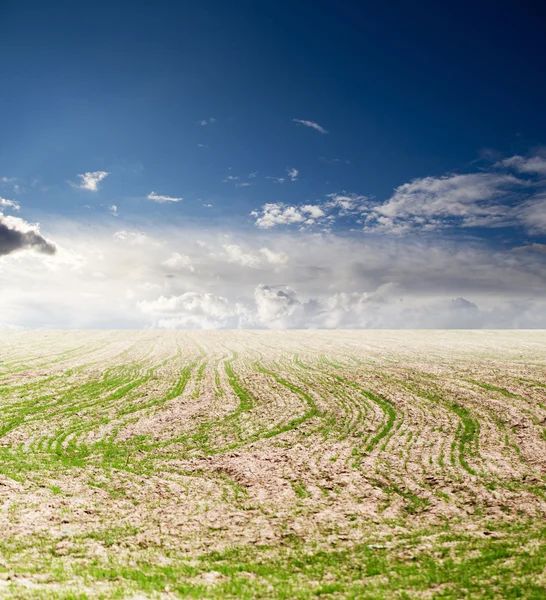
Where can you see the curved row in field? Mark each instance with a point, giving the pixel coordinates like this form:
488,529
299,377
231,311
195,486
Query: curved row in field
213,438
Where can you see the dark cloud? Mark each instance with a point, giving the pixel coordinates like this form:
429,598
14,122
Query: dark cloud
17,234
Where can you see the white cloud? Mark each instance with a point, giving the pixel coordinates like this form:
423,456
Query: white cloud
209,121
311,124
328,281
315,212
276,213
534,247
531,164
431,203
178,262
134,238
235,254
292,174
277,308
192,310
348,204
90,180
532,213
114,210
274,258
5,203
162,199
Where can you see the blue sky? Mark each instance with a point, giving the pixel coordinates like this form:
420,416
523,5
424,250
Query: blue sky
279,127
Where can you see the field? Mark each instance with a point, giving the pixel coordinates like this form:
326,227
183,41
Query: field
250,464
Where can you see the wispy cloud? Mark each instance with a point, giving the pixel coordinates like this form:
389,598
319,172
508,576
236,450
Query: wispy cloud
487,199
531,164
293,174
209,121
91,180
311,124
5,203
434,203
162,199
237,181
334,161
114,210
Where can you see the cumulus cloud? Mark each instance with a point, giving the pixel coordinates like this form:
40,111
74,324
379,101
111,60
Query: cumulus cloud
429,204
272,277
277,308
18,234
486,199
91,180
192,310
274,258
235,254
162,199
114,210
177,262
311,124
5,203
277,213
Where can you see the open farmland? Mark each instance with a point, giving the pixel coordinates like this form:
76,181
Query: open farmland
273,464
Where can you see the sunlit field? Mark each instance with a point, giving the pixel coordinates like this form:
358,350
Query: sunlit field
255,464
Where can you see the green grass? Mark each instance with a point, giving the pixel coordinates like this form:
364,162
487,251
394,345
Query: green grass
439,562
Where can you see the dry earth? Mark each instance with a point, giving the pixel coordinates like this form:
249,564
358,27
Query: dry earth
273,464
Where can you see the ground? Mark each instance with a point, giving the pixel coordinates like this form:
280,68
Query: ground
251,464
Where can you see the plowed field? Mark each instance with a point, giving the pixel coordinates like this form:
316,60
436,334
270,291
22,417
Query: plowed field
256,464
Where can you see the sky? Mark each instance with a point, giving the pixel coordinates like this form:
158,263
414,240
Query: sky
272,165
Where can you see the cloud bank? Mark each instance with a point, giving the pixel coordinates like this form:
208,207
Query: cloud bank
457,250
